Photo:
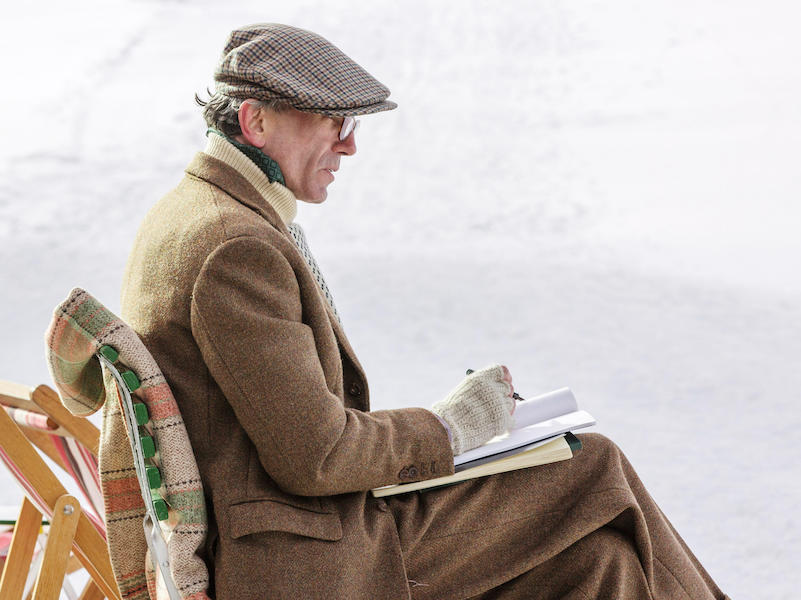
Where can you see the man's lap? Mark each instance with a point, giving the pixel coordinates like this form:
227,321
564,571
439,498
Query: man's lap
465,539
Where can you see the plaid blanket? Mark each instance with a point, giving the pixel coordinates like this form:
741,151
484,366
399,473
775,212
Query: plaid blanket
81,326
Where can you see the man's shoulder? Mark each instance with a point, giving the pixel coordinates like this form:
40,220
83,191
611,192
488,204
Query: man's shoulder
188,224
200,212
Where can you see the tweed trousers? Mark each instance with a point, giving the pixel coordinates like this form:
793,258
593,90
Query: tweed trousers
583,528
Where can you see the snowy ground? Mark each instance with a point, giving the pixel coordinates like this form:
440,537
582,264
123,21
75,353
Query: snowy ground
602,197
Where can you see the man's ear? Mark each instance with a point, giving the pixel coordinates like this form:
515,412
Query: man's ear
252,123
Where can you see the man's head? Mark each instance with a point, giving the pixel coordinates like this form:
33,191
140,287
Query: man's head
286,91
305,145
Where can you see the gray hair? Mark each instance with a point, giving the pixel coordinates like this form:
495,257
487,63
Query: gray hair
222,112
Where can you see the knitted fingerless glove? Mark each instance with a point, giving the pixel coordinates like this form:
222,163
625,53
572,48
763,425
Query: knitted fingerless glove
478,409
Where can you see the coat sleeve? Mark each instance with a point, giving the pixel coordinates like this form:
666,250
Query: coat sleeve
246,317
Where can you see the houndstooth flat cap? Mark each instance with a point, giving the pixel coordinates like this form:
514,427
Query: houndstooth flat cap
277,62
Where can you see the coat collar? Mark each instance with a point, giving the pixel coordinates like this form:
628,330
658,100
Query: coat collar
276,193
229,180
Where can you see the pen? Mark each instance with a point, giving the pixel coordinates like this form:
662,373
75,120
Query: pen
516,396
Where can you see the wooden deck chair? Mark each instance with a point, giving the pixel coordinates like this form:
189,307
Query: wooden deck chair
71,527
69,441
72,457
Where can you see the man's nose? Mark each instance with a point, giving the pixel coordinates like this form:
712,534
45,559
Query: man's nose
346,146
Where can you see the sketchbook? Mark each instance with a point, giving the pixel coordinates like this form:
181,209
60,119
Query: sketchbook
541,434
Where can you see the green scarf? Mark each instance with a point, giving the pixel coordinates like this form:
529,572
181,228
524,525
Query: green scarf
267,165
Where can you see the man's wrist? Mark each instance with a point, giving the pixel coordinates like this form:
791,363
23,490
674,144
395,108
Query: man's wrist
445,425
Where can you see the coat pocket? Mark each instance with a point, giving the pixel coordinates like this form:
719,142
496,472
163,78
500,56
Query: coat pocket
268,515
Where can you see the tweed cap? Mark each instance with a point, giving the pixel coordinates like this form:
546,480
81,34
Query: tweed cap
278,62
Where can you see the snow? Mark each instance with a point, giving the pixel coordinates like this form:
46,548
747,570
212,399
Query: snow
599,196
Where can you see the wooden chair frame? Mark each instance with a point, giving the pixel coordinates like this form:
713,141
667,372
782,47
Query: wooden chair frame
70,528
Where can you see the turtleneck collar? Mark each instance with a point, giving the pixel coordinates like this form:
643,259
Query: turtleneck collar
277,195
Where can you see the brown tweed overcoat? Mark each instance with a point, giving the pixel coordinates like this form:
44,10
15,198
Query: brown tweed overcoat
274,399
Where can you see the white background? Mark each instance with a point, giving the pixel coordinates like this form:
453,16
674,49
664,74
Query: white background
599,195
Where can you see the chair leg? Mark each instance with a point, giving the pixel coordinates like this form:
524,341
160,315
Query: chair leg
91,592
20,553
92,552
33,569
57,551
73,564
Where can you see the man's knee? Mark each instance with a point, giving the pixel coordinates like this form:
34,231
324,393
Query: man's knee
597,442
603,456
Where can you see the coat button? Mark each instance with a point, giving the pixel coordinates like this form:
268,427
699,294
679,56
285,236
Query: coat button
382,505
355,390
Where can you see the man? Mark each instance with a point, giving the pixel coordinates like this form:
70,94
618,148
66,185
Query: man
223,290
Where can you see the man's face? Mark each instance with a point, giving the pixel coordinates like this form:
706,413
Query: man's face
307,148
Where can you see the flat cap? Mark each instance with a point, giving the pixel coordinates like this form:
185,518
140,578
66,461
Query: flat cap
270,61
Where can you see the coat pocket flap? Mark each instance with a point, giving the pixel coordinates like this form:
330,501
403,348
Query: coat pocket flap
267,515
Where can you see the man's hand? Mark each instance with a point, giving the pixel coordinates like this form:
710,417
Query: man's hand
479,408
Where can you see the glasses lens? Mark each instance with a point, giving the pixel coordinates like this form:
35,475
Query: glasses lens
349,125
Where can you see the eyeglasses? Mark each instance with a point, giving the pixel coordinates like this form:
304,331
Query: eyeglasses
349,125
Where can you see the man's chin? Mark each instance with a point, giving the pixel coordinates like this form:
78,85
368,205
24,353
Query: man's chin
318,198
